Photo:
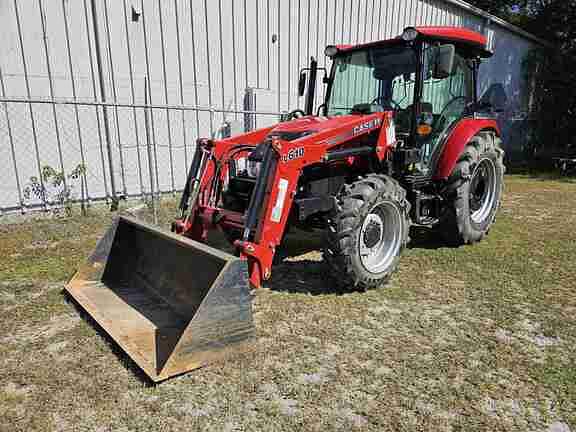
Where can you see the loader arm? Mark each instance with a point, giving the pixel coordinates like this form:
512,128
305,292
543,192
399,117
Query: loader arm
264,222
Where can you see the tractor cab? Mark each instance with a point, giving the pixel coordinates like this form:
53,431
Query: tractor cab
427,77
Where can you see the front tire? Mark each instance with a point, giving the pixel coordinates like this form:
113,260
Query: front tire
474,191
367,232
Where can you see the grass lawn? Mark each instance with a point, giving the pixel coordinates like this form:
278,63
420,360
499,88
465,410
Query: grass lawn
476,338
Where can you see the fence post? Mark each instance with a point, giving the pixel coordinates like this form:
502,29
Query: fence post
115,98
149,149
103,97
94,93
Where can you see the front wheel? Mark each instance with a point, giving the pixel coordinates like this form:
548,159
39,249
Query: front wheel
474,191
367,232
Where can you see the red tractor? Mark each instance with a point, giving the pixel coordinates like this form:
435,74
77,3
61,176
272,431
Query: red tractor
400,140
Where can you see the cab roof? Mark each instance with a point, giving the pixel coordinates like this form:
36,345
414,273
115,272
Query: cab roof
468,40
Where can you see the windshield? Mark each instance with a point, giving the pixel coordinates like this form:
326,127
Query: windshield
382,75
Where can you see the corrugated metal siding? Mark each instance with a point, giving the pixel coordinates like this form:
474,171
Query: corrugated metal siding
225,46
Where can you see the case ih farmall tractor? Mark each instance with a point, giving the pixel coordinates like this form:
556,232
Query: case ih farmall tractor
400,140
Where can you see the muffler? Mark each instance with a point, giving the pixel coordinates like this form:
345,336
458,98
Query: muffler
171,303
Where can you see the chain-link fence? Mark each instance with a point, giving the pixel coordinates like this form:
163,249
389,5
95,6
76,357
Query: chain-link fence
104,100
63,150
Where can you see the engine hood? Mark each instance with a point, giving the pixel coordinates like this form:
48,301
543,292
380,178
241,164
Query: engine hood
309,125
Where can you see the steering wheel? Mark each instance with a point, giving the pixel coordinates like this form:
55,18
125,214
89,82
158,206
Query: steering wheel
443,114
395,105
297,113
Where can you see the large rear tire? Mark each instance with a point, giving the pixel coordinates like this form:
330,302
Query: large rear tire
474,191
367,232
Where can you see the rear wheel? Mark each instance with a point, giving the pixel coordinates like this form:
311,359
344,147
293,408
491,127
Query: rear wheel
367,232
474,191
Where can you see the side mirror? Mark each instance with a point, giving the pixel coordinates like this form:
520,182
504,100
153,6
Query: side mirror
301,83
444,63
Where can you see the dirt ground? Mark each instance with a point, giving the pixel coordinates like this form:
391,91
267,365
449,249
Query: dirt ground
478,338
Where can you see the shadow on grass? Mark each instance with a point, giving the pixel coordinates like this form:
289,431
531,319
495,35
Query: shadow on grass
427,238
304,276
295,272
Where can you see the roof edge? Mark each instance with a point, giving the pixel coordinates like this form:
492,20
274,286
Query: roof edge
493,18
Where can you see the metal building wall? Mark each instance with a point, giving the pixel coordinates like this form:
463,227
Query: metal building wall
200,56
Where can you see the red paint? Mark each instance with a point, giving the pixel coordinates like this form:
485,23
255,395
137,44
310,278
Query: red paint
382,145
254,136
344,47
315,124
454,34
458,34
459,138
326,133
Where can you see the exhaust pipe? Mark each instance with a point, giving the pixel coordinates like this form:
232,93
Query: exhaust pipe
171,303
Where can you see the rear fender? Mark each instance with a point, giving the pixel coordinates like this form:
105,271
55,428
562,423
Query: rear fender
455,143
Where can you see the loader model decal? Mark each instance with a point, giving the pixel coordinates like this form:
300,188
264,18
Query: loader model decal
293,154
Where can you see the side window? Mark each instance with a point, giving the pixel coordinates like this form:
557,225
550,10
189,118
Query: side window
449,96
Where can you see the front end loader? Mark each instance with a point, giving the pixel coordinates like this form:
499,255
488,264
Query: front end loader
401,139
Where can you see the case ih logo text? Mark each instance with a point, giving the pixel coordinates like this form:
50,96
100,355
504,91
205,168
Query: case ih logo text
365,126
296,153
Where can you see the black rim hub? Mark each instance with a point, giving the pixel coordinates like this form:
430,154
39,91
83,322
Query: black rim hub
372,235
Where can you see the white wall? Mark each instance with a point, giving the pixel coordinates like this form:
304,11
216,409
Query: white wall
229,57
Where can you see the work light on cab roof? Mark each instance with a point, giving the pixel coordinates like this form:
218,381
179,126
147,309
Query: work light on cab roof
410,34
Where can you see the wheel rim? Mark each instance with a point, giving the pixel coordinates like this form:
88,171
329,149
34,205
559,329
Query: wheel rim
380,237
482,191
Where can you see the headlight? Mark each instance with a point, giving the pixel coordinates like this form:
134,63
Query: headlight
331,51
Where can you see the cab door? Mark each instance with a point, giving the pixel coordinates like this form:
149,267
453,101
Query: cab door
447,99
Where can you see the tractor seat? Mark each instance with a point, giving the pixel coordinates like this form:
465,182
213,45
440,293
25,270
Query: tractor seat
403,118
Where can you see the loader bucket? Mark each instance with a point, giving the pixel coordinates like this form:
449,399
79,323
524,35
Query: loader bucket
171,303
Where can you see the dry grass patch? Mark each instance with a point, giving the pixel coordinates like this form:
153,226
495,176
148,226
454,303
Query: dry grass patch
474,338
